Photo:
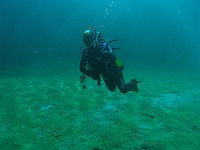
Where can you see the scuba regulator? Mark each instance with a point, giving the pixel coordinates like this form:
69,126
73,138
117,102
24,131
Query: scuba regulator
82,81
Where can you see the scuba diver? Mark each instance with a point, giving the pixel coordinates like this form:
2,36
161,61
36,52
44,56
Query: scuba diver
98,59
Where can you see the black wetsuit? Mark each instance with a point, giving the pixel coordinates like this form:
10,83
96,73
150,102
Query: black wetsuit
100,60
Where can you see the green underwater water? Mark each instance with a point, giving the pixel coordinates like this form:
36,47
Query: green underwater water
44,107
42,103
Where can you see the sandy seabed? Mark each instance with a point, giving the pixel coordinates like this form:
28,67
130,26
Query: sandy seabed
43,106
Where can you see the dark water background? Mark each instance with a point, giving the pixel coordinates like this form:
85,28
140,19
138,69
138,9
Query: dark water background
150,31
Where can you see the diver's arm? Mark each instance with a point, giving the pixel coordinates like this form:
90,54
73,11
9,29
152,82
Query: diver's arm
110,61
83,64
84,70
110,54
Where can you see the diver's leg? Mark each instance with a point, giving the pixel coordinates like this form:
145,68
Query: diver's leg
122,86
119,79
110,84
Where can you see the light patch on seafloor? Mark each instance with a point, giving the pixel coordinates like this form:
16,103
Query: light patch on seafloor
106,114
47,107
166,101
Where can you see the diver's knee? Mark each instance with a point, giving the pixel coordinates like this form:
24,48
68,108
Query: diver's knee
123,90
111,90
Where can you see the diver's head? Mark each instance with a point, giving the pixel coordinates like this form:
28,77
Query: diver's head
88,37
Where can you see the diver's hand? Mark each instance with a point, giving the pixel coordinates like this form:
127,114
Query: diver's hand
82,78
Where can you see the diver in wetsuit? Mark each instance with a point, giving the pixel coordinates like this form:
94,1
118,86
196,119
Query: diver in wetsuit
98,59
